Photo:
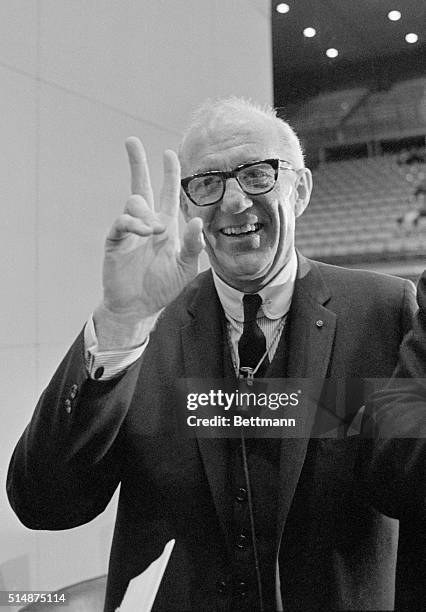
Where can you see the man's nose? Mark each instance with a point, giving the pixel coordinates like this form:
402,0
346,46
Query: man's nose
234,199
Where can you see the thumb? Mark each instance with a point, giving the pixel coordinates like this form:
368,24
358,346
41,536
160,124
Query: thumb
193,241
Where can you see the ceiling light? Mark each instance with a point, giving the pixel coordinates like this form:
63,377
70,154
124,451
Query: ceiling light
394,15
309,32
282,7
332,52
411,38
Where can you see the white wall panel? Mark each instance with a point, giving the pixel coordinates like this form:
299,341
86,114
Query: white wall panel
84,184
156,60
19,35
18,199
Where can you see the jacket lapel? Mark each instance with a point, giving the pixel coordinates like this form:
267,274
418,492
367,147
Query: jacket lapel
312,324
311,336
202,341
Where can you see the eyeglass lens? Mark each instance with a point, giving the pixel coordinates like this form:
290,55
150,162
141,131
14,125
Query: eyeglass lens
255,179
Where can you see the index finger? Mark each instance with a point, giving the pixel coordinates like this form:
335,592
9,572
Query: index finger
139,172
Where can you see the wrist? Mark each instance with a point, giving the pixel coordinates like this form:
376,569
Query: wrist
121,330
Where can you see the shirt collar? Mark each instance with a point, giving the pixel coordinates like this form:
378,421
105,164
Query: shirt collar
276,295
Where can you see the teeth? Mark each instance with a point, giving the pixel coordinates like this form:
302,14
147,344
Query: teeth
240,229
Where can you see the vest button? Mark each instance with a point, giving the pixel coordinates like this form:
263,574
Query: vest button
241,496
241,588
242,541
73,391
221,586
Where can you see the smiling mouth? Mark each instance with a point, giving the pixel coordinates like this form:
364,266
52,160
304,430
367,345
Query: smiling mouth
238,230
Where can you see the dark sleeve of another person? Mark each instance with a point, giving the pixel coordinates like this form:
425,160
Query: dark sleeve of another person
396,468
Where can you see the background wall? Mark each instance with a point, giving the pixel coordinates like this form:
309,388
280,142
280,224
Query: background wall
77,78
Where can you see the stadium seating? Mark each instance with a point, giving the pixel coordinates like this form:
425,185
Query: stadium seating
359,114
396,111
354,209
326,110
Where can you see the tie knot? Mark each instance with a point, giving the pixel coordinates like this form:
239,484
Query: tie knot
251,304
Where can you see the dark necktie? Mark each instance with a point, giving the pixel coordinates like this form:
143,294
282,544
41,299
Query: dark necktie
252,344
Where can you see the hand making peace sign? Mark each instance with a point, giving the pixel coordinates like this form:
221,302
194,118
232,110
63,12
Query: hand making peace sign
144,268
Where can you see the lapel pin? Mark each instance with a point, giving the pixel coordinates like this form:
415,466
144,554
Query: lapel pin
319,323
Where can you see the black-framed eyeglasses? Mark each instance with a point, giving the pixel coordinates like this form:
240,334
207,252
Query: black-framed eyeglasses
254,178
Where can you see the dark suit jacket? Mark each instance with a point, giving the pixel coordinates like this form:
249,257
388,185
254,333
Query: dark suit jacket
335,546
399,417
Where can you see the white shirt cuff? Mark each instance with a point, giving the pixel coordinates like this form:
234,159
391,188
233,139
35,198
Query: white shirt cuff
105,365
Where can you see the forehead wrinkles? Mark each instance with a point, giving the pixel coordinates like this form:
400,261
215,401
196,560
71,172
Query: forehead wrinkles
222,143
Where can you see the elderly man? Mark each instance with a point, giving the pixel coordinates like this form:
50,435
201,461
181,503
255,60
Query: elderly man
259,524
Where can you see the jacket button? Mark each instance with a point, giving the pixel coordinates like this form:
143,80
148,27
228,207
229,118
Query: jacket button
73,391
99,372
242,541
241,588
68,405
221,586
241,496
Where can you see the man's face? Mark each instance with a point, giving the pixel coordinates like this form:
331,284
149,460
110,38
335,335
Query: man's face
248,238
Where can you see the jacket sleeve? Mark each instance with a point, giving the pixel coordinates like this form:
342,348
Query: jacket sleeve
397,423
66,466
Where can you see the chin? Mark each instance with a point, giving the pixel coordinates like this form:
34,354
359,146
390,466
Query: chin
246,271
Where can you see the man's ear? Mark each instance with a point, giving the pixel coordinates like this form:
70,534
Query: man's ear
303,190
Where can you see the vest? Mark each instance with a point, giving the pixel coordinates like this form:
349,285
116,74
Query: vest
254,533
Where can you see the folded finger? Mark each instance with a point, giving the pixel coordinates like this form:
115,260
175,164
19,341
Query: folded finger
136,206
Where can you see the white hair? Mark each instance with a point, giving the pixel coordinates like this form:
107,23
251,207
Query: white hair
234,110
